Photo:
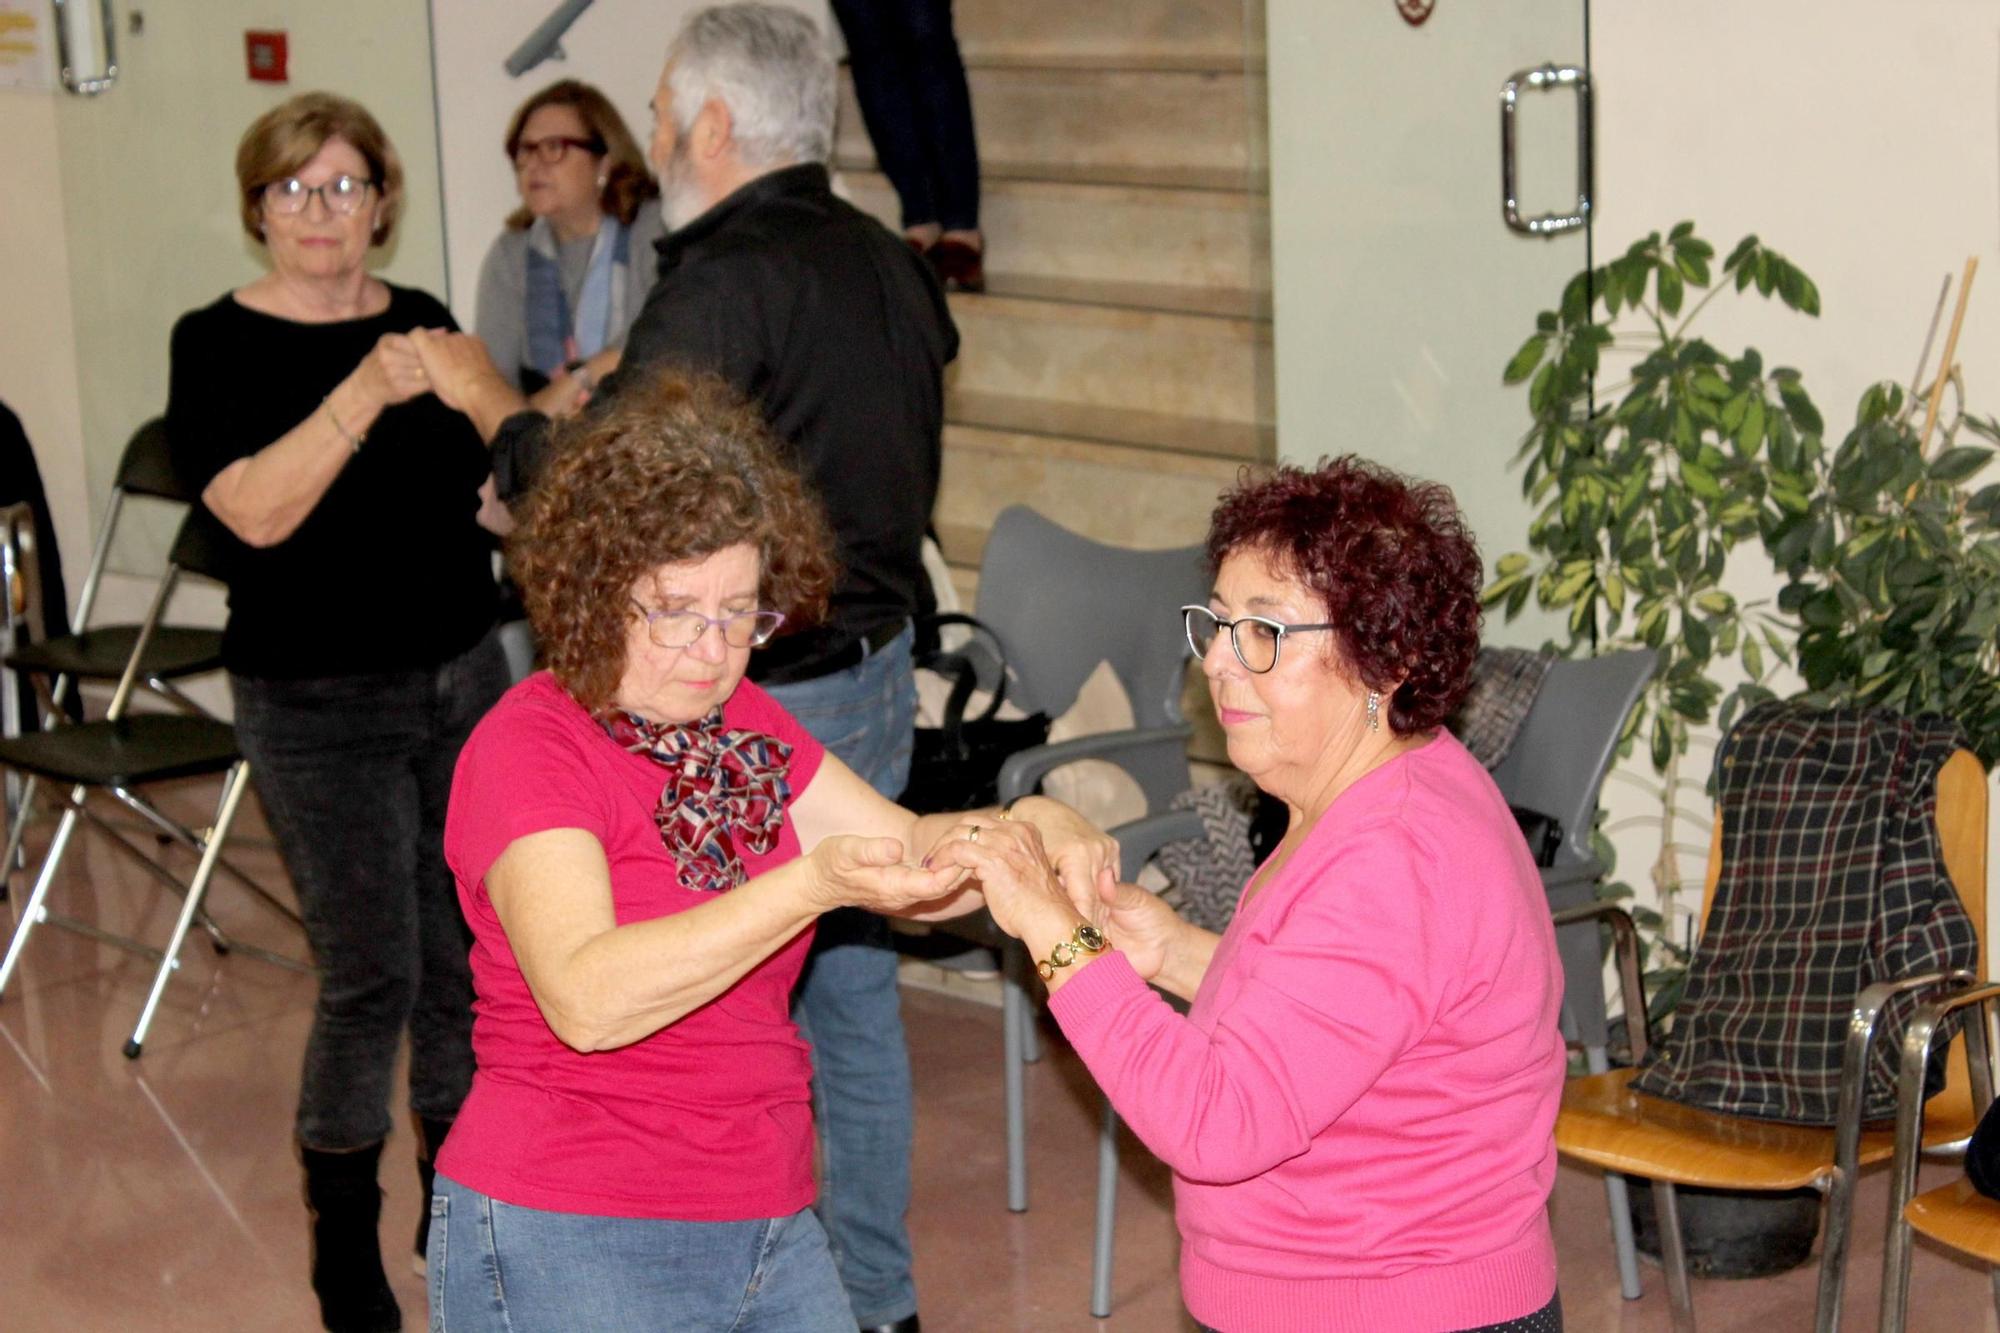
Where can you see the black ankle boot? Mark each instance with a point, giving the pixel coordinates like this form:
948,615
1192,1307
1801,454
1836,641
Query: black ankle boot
430,1137
344,1207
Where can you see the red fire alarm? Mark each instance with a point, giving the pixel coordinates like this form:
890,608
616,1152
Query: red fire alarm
266,54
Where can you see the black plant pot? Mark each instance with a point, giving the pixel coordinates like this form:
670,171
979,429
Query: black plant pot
1730,1233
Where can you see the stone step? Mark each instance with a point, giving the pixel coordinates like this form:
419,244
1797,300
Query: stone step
1135,62
1211,28
1236,441
1167,297
1105,232
1142,176
1205,119
1116,494
1107,357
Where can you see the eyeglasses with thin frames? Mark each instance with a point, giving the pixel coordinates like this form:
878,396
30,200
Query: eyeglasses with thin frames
341,196
553,149
1256,640
680,629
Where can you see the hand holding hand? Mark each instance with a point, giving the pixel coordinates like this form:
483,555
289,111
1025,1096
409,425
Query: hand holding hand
564,395
1144,926
849,871
391,373
1020,882
1082,852
456,364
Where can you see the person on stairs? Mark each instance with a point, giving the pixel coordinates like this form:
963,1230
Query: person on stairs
910,82
360,644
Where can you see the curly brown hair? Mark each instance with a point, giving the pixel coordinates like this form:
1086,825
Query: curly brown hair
1392,563
675,468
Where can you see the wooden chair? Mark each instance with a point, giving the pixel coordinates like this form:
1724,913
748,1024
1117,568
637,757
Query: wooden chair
1603,1122
1954,1215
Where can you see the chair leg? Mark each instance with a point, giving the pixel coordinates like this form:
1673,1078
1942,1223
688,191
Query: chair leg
1833,1254
17,828
32,915
1673,1256
1014,1022
1596,1060
1107,1214
1031,1039
232,794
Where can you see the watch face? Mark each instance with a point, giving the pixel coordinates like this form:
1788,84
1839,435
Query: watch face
1091,939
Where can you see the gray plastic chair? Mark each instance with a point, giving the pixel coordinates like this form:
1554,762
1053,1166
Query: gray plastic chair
1556,767
1060,604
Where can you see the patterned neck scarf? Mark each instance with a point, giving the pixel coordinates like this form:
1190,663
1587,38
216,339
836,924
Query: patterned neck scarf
722,785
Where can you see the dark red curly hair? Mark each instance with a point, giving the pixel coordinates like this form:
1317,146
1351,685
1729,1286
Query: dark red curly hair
1391,563
676,468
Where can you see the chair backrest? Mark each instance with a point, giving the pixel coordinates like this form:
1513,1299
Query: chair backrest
1961,821
1962,796
1557,763
147,467
1061,603
198,547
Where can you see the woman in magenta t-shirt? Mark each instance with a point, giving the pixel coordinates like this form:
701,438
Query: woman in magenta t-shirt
642,842
1359,1105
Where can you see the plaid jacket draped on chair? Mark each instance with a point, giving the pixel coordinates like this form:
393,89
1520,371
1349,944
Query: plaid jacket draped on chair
1832,878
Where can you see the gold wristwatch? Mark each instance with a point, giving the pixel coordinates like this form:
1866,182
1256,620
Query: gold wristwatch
1085,941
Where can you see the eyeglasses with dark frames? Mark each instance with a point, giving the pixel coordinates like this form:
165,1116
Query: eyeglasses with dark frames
553,149
680,629
341,196
1256,640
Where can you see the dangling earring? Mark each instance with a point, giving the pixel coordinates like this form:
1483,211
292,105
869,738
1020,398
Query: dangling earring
601,180
1374,711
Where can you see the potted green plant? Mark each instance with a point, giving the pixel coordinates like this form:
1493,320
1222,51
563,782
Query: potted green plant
1647,482
1894,569
1652,455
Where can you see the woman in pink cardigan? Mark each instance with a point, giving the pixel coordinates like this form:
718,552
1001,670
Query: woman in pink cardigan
1359,1105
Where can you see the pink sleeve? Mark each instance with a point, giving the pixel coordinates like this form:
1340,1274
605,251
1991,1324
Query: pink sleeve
1348,980
525,770
752,708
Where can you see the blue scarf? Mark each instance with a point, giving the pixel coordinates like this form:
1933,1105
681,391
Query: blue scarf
600,306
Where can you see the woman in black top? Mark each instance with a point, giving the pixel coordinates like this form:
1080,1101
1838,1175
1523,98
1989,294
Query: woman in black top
360,642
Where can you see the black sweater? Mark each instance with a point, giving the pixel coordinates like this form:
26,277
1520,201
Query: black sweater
833,326
391,570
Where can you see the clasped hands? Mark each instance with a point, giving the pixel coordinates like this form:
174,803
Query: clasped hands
1036,878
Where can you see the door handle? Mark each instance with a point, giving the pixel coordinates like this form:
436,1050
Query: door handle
76,82
1546,78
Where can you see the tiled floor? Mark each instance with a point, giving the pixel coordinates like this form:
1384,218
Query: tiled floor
161,1194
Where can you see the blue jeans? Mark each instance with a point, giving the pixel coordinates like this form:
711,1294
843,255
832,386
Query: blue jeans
848,1008
910,83
355,772
494,1266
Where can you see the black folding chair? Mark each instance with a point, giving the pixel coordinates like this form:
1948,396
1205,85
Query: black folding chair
117,757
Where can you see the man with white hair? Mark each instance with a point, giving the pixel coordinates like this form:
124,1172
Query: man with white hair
837,330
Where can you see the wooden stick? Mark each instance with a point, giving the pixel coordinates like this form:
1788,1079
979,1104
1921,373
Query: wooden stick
1950,350
1924,357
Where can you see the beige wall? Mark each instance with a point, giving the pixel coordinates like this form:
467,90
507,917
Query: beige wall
37,333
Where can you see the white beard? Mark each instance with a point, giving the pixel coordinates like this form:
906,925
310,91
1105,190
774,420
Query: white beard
681,198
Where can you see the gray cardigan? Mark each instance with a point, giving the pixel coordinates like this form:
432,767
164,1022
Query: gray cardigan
501,317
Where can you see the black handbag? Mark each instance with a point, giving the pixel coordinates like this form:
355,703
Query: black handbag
956,766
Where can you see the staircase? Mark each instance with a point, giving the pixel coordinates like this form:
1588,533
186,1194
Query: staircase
1116,373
